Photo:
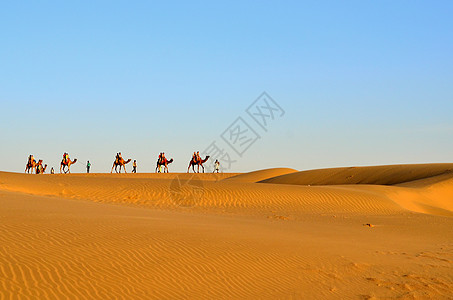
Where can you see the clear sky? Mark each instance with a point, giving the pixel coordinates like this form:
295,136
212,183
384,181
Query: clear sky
361,82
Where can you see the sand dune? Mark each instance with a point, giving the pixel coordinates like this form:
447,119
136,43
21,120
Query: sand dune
381,175
425,188
200,194
259,175
356,233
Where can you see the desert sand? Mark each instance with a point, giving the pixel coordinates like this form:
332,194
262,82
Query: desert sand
343,233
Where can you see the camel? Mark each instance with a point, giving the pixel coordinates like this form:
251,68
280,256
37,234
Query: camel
39,168
164,164
122,163
68,164
31,166
197,163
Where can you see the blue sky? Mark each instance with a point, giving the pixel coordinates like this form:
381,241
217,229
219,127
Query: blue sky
361,82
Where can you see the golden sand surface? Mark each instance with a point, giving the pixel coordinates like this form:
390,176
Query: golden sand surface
344,233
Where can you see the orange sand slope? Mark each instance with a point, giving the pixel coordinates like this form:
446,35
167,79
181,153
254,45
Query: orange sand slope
382,175
424,188
365,232
261,175
371,190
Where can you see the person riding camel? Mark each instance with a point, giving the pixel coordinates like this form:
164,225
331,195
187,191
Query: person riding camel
30,159
194,157
198,157
39,167
65,158
160,158
118,158
163,158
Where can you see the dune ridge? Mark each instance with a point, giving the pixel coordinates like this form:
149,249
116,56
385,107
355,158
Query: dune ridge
375,190
378,175
259,175
424,188
219,196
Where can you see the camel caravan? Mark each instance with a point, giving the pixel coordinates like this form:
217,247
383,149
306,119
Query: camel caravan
38,168
34,166
161,165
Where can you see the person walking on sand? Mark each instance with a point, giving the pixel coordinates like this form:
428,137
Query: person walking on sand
88,166
52,171
216,166
134,167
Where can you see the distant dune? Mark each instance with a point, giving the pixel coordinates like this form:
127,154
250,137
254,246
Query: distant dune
380,175
343,233
259,175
